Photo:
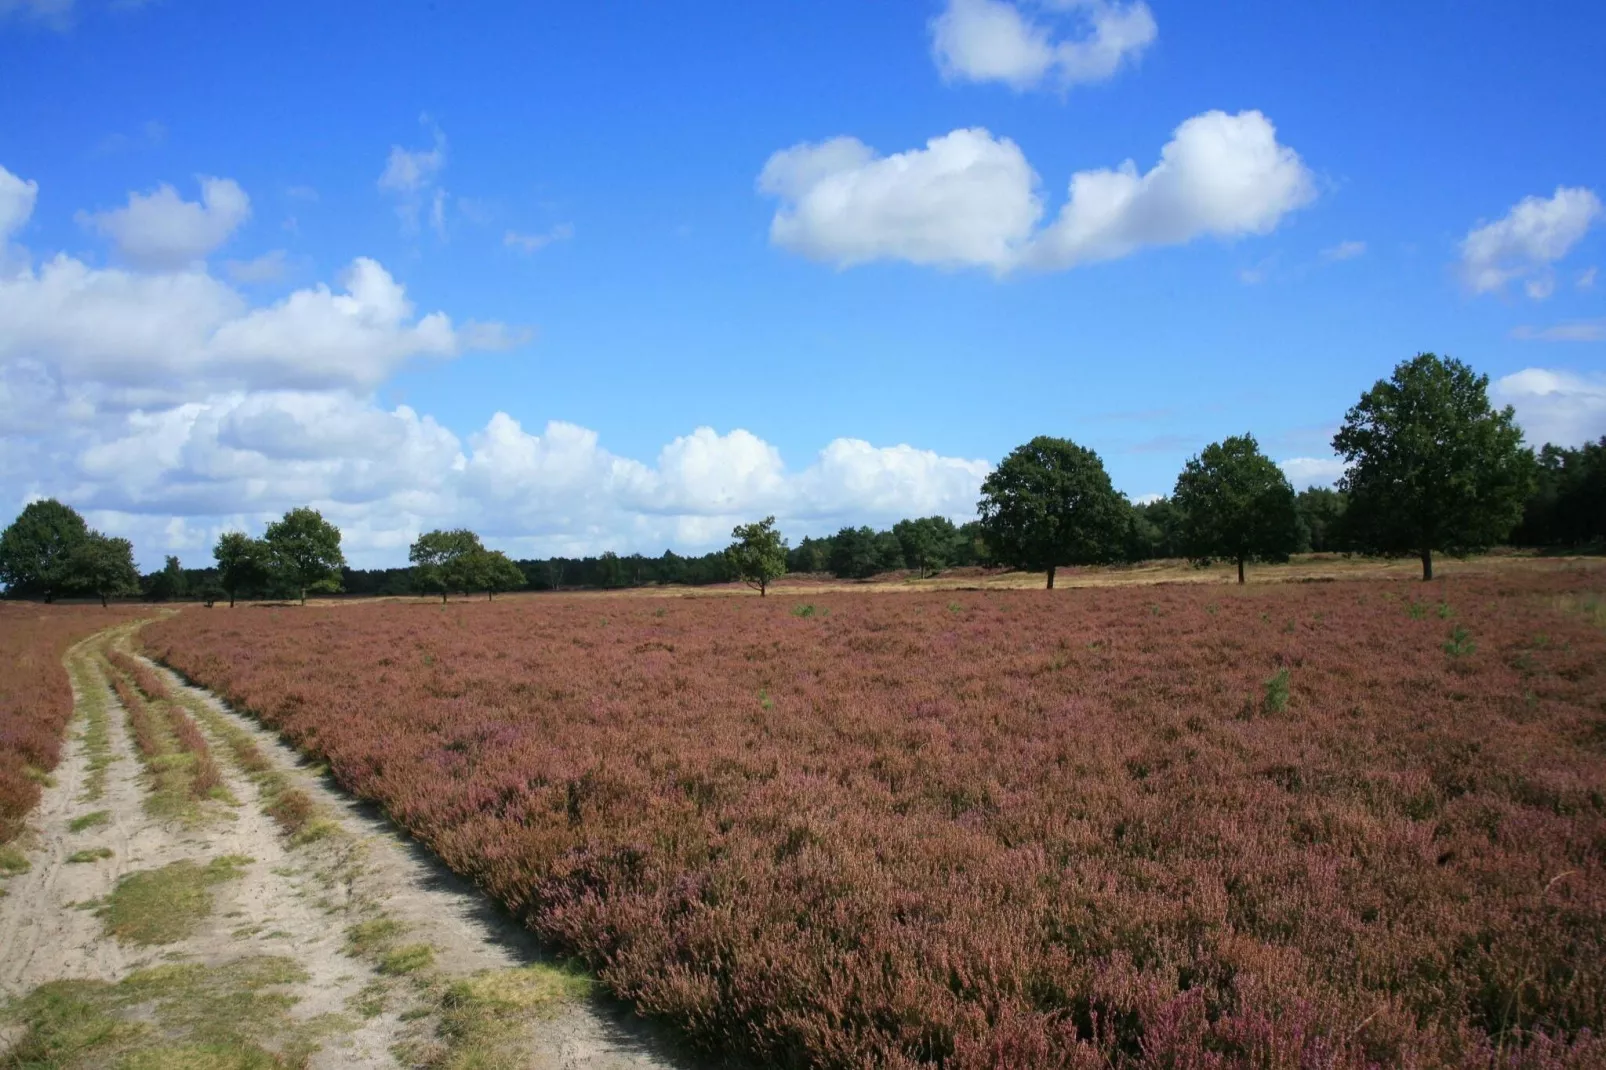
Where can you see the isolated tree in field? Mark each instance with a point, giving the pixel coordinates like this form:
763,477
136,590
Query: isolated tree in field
101,566
304,549
1431,464
438,558
1050,503
758,555
34,549
243,564
1236,505
489,571
927,543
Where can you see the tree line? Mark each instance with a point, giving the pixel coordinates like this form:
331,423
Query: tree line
1431,466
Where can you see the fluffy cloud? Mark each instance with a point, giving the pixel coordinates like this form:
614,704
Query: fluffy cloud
169,407
155,335
965,199
999,41
968,199
1524,244
162,230
1559,407
269,267
16,203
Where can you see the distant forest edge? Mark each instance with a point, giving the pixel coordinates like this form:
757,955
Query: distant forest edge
1431,467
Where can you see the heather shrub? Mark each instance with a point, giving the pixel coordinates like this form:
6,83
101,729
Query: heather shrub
1003,829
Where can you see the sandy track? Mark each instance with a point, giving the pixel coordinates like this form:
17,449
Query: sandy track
296,901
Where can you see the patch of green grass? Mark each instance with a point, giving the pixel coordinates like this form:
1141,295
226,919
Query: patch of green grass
484,1017
39,776
12,861
161,906
373,936
234,1016
1276,697
89,821
90,854
409,958
1460,643
91,688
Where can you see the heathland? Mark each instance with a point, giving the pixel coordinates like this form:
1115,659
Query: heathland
1341,823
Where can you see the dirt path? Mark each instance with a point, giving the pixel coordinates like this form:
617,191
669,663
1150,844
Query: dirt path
330,939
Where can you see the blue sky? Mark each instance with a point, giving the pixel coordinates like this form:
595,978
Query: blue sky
642,220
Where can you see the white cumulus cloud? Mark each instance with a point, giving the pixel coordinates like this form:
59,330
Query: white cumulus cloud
1305,472
1001,41
160,229
411,177
1526,241
1559,407
17,199
969,199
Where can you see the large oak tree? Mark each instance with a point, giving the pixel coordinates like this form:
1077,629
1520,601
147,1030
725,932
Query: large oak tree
1050,503
1432,465
1236,505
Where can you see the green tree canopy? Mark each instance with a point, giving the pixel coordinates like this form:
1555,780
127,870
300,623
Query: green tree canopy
758,555
1050,503
854,554
170,583
1431,464
35,548
1236,505
487,570
928,544
101,566
305,550
1321,515
438,559
243,564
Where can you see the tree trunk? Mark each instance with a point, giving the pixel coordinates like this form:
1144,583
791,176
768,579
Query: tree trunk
1427,563
443,598
490,595
1240,569
1050,577
763,588
102,601
303,596
231,599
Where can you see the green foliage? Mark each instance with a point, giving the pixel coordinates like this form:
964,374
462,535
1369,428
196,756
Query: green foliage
305,550
1432,465
439,564
487,570
927,544
1568,506
758,555
1275,699
170,583
1321,518
854,554
162,906
244,564
35,548
1460,643
102,566
1237,505
1050,503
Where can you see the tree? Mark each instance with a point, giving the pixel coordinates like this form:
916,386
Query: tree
758,555
928,543
1431,464
1050,503
34,549
437,558
102,566
489,571
243,564
169,583
1321,512
304,549
1568,504
853,554
1237,505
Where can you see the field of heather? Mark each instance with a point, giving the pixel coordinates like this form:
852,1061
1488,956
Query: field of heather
1322,825
35,696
